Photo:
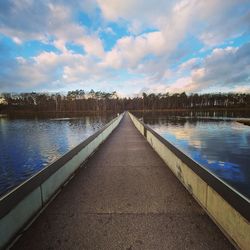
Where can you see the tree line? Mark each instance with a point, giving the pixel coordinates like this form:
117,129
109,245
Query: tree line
98,101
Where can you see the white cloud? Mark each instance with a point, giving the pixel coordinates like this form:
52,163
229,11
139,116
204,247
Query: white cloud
230,19
92,45
190,64
43,21
139,13
152,49
226,68
186,16
60,44
129,50
242,89
108,30
180,85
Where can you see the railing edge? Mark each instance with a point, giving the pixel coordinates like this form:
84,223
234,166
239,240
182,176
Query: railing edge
214,187
18,198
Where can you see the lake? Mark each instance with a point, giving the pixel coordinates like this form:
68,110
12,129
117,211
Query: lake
219,143
212,139
29,144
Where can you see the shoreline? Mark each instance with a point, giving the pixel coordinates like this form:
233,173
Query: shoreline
134,110
244,122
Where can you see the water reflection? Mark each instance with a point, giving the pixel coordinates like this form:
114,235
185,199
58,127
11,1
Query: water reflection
221,146
28,145
244,113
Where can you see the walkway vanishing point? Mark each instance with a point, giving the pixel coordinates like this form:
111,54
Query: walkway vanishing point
125,198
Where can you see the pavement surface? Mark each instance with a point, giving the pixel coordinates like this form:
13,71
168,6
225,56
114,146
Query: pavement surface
124,198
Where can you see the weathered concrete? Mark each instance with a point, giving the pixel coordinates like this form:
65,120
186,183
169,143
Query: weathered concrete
125,198
23,203
231,217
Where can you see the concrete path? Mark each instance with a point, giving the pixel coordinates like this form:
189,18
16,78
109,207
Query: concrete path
125,198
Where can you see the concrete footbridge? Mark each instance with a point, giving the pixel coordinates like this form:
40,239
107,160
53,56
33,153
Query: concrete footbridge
125,187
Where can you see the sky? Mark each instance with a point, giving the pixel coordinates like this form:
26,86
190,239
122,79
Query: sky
128,46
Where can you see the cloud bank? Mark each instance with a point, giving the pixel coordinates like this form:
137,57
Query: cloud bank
129,46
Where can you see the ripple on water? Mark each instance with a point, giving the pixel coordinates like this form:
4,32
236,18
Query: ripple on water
29,145
221,146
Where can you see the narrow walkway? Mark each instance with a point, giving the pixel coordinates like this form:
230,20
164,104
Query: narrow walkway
125,198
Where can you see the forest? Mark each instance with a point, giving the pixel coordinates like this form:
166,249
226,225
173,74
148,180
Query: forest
98,101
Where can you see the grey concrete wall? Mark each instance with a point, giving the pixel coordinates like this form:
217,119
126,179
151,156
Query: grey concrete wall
23,210
235,226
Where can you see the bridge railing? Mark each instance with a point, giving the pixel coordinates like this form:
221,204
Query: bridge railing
225,206
19,206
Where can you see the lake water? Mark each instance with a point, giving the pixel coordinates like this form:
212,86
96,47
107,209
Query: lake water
28,145
221,146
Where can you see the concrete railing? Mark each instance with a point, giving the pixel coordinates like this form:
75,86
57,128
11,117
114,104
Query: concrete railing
21,205
225,206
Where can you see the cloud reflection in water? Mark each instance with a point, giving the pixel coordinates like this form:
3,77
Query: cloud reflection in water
221,146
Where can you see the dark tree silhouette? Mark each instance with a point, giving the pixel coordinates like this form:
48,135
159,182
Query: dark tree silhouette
98,101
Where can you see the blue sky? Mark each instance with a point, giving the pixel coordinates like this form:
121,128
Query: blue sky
125,46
